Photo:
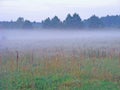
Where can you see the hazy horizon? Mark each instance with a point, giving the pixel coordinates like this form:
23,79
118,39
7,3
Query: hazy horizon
40,9
33,39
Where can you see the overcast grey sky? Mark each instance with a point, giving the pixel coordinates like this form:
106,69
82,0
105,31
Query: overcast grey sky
40,9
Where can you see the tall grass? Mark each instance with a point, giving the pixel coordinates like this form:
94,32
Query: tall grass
60,69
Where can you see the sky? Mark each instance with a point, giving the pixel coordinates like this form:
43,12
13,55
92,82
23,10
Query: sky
37,10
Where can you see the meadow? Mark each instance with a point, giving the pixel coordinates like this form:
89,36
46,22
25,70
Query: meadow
60,69
59,60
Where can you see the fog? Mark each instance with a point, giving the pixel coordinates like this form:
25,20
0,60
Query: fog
58,38
57,34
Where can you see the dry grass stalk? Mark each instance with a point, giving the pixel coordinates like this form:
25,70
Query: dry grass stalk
17,58
0,59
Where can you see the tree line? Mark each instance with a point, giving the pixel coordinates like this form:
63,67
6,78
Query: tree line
71,22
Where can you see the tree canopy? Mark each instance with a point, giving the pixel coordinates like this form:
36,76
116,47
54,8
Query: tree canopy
71,22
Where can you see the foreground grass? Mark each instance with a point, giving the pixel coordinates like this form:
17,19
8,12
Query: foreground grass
60,71
56,82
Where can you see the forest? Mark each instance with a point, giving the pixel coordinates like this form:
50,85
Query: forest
71,22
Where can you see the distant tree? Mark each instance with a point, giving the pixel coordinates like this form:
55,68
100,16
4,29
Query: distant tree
37,25
20,20
46,23
55,22
93,22
19,23
73,22
111,21
77,22
67,21
27,25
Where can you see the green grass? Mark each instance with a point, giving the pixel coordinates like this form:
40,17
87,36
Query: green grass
59,72
56,82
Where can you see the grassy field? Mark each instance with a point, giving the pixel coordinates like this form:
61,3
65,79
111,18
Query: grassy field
80,69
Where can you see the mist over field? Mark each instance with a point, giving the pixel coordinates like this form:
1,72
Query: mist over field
31,39
59,44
